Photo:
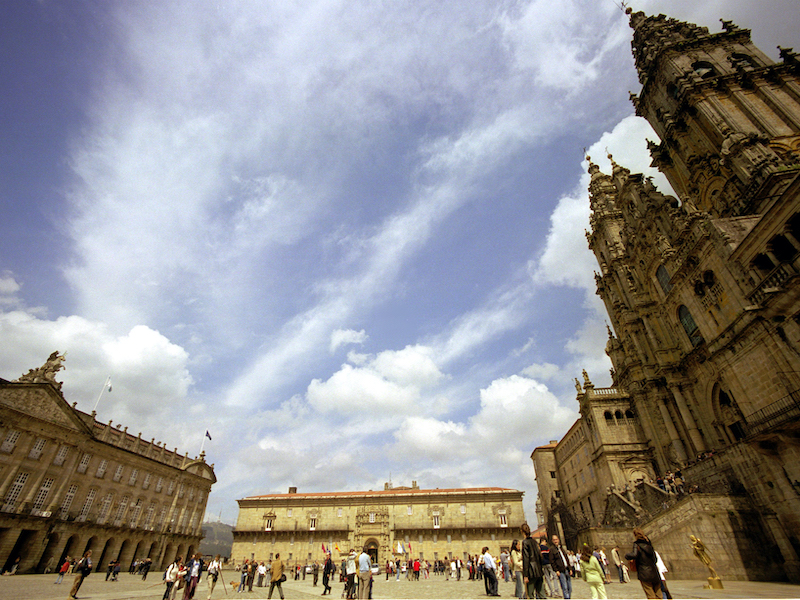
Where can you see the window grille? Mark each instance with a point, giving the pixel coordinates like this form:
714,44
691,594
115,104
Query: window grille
68,501
84,464
41,495
10,441
61,456
13,494
87,505
38,446
137,508
123,506
105,507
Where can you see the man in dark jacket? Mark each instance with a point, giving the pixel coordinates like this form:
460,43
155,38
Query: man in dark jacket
327,571
560,564
532,573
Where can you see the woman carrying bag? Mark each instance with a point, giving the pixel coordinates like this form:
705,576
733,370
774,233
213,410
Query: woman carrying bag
643,556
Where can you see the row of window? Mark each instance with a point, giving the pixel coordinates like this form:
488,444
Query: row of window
269,522
103,516
618,417
35,453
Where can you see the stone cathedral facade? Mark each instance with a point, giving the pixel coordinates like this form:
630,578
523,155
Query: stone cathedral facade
703,296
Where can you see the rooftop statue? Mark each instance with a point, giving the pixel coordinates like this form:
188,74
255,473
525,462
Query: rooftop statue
47,372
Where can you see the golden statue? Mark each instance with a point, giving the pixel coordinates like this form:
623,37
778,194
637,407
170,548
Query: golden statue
700,552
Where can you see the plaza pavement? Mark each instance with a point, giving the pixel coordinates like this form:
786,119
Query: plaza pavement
41,587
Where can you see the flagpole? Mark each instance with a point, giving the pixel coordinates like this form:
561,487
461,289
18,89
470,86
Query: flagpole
203,443
105,385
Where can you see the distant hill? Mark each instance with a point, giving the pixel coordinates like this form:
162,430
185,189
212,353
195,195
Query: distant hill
217,539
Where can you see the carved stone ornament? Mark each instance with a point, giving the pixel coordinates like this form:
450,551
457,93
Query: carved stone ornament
47,372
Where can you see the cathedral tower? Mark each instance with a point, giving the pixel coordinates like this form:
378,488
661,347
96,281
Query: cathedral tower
703,290
728,116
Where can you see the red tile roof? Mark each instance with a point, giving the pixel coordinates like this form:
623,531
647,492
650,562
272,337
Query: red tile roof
398,491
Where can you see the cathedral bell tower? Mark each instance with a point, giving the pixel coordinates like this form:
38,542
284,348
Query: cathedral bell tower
726,114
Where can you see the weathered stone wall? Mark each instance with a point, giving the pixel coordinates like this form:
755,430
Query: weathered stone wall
732,531
465,524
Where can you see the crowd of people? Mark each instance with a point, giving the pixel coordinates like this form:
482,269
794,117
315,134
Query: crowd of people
532,564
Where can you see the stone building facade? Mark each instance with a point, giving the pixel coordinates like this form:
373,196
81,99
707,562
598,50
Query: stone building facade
702,291
396,521
69,484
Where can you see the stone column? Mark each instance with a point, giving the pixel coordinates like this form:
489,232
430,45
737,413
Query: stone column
677,443
688,419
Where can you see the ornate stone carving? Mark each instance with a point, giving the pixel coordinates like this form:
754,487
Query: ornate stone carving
47,372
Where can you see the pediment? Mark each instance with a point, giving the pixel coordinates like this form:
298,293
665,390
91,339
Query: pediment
41,401
201,469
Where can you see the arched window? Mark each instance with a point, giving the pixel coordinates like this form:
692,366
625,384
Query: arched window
609,418
629,414
618,414
704,69
663,278
742,59
782,248
689,326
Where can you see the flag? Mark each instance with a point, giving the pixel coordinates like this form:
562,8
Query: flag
208,435
109,385
409,547
337,547
323,549
400,548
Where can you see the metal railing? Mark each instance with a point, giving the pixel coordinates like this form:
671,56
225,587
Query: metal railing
773,415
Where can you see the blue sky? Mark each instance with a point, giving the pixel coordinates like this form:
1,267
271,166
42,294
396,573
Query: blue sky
347,238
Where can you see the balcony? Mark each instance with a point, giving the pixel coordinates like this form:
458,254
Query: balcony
773,283
774,416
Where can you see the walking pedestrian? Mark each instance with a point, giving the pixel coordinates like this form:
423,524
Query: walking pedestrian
278,576
592,573
84,569
644,556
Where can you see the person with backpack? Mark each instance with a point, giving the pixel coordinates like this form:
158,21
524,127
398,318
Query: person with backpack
83,569
170,577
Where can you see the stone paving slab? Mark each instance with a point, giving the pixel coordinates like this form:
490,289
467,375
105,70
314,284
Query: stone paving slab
131,587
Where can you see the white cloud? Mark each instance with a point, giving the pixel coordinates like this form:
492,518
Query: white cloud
557,46
150,376
543,371
353,390
341,337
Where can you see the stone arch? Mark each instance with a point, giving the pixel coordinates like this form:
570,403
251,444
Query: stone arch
125,556
105,556
727,413
95,544
137,553
190,551
181,551
49,557
71,548
371,546
148,549
170,552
